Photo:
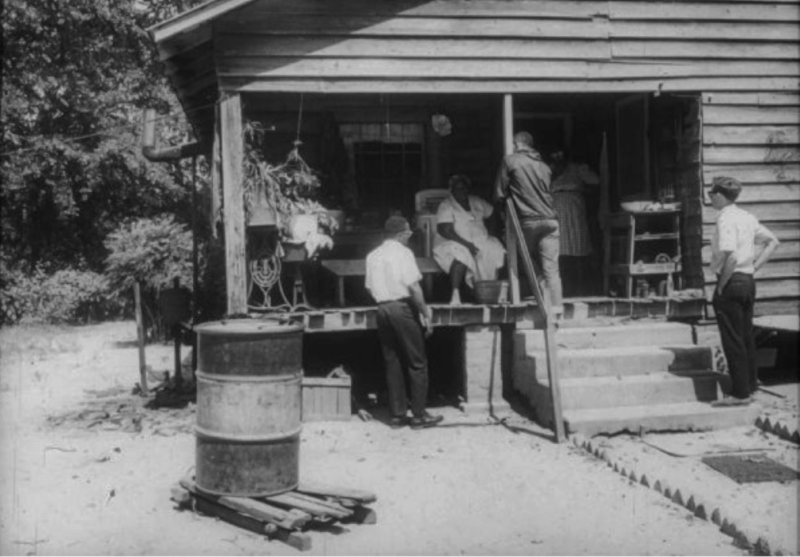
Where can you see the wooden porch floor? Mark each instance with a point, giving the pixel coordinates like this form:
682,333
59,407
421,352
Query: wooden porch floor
523,315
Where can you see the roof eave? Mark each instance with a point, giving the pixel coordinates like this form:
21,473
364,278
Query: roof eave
193,18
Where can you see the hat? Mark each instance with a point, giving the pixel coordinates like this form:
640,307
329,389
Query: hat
729,187
395,225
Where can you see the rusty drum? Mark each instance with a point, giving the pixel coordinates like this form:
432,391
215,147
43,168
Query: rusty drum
249,375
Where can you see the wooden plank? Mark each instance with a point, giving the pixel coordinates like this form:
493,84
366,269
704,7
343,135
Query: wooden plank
785,306
750,115
479,85
322,502
787,251
754,174
759,193
784,231
774,269
511,244
705,31
345,46
703,11
676,50
358,267
786,134
233,203
756,99
751,155
334,24
438,8
769,289
765,212
255,509
314,509
361,496
311,66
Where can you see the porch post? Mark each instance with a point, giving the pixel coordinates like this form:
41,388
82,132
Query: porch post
232,143
511,242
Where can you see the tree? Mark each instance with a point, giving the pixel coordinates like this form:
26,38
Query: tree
76,76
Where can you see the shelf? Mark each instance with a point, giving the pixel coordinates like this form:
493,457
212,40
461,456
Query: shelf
664,236
645,269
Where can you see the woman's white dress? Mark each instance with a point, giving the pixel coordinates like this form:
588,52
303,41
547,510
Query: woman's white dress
470,226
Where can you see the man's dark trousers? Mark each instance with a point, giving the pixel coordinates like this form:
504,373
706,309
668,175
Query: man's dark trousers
403,347
734,311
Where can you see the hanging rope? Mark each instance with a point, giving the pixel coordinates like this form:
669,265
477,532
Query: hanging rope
297,141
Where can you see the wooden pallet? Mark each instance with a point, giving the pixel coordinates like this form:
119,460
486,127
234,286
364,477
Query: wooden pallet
284,517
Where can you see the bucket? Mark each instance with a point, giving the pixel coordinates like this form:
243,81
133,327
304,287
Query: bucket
491,291
249,375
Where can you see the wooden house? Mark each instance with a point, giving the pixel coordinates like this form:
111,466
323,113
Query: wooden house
667,94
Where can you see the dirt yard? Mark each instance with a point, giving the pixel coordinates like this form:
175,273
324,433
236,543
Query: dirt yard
87,470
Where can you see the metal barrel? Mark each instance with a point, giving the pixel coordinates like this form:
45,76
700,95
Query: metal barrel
249,375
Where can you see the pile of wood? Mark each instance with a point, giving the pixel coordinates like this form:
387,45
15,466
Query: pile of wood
285,517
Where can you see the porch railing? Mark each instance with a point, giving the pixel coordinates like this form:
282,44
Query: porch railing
549,331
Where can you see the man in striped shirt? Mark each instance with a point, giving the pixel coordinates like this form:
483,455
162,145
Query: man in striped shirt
734,261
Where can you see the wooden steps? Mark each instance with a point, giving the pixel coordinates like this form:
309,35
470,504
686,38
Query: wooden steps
284,517
634,376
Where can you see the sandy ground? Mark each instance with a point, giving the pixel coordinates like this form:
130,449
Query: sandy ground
87,470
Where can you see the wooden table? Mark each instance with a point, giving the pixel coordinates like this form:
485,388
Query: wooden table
358,268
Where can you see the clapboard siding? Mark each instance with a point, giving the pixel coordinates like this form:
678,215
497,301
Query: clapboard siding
728,154
749,115
785,210
786,134
346,46
788,250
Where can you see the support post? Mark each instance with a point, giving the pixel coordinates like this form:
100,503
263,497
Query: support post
137,301
511,243
232,143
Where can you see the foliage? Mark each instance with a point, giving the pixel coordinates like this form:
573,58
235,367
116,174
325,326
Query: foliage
291,187
152,252
76,75
66,296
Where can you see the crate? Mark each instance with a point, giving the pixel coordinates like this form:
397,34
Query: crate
326,398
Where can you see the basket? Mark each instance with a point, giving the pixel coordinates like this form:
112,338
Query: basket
491,291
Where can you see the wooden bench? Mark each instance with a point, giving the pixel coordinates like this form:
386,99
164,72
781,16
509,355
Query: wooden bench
358,268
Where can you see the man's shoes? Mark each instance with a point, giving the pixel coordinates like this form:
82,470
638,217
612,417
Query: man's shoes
425,420
398,422
731,401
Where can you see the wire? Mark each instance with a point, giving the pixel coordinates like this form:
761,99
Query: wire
101,132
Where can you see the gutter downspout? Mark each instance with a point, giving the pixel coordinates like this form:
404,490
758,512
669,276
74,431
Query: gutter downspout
174,154
166,154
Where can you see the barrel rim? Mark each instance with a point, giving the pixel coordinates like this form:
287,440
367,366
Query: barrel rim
251,327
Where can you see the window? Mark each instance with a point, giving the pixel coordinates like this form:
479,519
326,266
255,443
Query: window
387,164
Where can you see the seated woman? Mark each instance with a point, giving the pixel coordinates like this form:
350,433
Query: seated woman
463,247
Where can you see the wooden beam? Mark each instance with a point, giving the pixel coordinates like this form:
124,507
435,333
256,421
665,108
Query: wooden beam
511,243
501,68
733,134
232,141
480,85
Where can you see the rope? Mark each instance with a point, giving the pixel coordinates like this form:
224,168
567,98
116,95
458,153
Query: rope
297,141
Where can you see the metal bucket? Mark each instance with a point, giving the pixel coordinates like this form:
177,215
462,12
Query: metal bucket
249,376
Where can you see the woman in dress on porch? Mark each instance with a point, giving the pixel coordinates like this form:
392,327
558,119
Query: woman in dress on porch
571,182
463,246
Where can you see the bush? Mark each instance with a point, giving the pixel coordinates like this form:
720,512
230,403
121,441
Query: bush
65,296
152,252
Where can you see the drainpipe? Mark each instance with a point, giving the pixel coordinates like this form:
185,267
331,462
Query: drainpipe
173,154
166,154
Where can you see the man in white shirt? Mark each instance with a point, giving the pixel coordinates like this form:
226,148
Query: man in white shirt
734,260
393,279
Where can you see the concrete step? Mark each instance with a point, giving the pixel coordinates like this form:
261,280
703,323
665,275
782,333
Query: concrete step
627,360
637,390
630,334
686,416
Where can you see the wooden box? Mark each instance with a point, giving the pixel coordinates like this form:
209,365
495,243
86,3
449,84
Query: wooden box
326,398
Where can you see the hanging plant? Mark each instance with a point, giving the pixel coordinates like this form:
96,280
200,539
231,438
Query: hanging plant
288,190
